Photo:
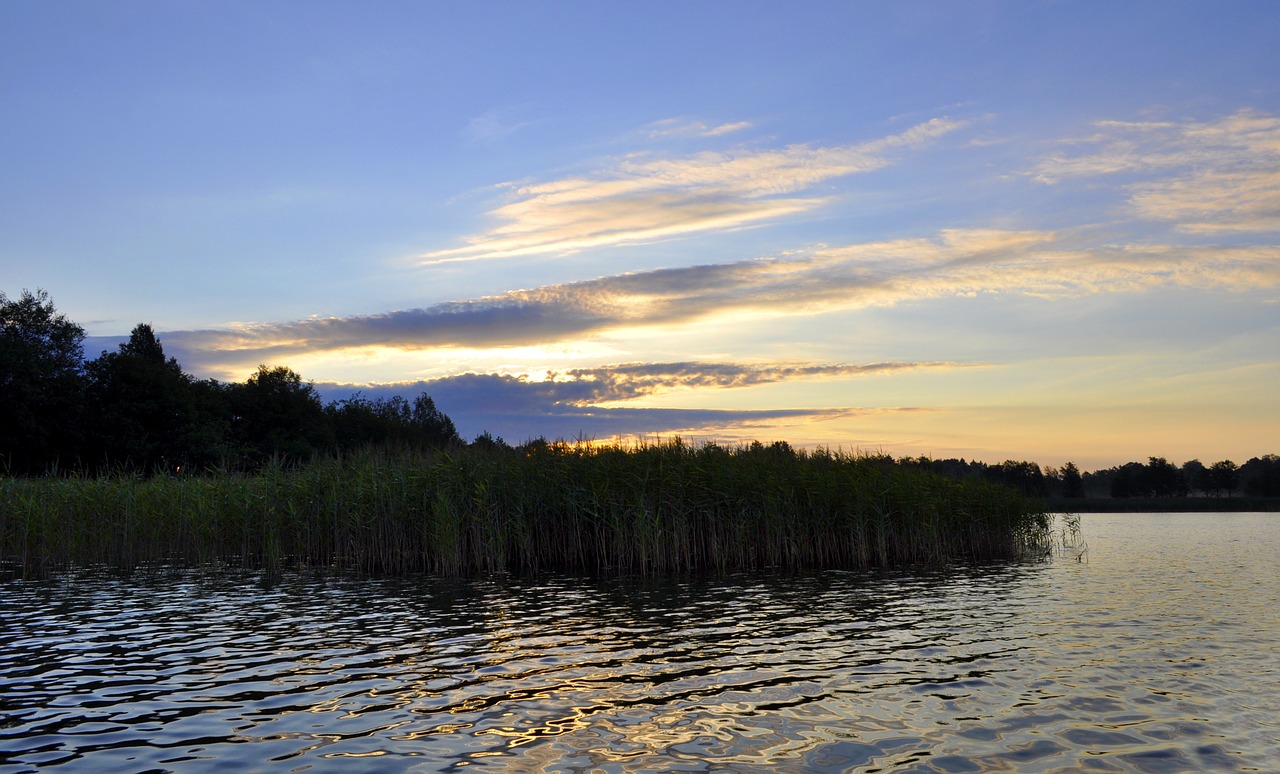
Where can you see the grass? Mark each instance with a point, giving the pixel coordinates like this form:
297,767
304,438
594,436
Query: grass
648,509
1069,540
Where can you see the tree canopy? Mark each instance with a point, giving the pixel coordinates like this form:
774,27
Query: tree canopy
41,383
136,409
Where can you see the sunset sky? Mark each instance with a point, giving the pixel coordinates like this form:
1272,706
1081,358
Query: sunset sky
990,230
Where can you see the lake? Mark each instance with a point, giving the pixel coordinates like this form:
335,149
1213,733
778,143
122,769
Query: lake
1159,653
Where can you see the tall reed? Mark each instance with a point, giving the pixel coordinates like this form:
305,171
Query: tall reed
647,509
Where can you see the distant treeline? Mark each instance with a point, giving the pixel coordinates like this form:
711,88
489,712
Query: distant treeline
1156,478
135,410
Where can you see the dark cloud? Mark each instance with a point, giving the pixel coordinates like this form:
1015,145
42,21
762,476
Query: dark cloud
634,380
546,314
566,404
518,410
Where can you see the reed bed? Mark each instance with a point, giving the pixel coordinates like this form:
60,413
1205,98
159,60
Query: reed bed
648,509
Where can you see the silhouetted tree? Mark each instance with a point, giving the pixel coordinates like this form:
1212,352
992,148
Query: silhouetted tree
41,384
358,421
1072,482
1223,477
490,443
1261,476
433,427
277,415
1196,475
1129,480
354,422
210,443
1163,479
1097,483
1024,476
1158,478
955,468
144,412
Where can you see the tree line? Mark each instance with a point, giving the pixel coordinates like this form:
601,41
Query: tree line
1258,477
136,409
1157,477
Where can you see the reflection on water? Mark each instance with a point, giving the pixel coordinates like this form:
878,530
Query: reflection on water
1156,655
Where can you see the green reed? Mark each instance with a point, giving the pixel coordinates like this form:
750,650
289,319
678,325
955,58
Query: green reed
647,509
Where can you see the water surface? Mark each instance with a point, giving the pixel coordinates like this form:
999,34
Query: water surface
1157,654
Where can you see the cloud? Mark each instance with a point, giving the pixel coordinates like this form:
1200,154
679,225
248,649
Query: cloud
591,386
565,404
586,386
956,263
1205,177
728,128
496,124
1211,202
675,127
643,197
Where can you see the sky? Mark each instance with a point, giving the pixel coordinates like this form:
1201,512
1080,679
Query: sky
1026,230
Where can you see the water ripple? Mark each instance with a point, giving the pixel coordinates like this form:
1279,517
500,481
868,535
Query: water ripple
1132,662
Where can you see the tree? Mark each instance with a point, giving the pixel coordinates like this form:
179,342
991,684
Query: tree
144,412
1129,480
210,442
490,443
1224,476
1196,475
434,428
1023,476
358,421
1162,479
1261,476
1072,482
41,384
277,415
354,422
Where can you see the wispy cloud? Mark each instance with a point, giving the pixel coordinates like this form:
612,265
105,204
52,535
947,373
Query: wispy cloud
677,127
729,128
496,124
643,197
957,262
1204,177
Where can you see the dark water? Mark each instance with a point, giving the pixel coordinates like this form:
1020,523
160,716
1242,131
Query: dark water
1161,653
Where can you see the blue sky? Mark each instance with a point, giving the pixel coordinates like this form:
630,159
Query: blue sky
1029,230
